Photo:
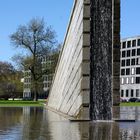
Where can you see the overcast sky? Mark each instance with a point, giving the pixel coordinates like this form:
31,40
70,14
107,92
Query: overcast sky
56,13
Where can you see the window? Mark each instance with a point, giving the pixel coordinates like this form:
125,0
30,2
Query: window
137,92
133,52
137,80
127,93
133,61
122,80
133,43
138,42
138,70
132,71
123,53
128,62
124,45
138,61
132,93
138,51
122,93
127,71
128,53
132,80
123,63
122,71
127,80
128,44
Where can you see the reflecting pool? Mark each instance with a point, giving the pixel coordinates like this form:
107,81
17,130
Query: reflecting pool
34,123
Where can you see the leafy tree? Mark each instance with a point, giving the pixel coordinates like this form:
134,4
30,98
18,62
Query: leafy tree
38,40
10,85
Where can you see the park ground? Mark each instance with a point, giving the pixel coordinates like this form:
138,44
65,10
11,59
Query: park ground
39,103
20,103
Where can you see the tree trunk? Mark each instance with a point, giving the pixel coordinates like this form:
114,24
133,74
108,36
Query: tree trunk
35,91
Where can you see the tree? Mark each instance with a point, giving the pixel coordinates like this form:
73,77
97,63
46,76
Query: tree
37,39
10,85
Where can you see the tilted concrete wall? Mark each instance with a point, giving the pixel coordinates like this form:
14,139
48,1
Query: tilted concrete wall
70,89
86,82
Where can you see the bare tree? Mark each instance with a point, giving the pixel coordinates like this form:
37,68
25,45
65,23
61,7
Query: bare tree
37,39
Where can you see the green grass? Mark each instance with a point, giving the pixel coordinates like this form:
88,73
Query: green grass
130,104
19,103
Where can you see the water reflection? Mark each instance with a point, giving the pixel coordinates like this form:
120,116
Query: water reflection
29,123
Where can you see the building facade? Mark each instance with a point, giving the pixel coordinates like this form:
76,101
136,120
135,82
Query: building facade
45,80
130,68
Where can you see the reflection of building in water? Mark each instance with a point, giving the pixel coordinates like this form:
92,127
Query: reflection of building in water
130,68
130,134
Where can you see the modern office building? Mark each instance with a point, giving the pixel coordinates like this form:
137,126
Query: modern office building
130,68
45,81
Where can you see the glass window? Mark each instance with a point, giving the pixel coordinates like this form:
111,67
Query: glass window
133,61
138,51
138,42
127,80
133,43
138,61
122,93
138,70
128,53
122,71
122,80
128,62
132,80
137,92
127,71
123,63
132,93
124,45
133,52
132,71
123,53
127,93
128,44
137,80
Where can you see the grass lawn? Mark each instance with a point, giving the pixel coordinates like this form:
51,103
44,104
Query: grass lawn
19,103
130,104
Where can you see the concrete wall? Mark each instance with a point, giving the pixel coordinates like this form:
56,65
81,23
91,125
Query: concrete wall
70,89
92,43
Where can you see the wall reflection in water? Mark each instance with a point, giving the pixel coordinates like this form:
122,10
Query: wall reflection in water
39,124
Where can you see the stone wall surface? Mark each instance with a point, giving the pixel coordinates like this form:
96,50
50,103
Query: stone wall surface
86,82
70,89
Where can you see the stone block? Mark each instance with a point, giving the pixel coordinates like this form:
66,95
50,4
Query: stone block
86,68
86,39
86,25
86,53
85,83
86,12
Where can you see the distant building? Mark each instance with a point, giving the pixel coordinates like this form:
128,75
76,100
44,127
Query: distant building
45,81
130,68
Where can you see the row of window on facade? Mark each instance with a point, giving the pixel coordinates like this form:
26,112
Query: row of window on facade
27,80
47,84
130,80
130,71
27,73
130,62
128,53
27,86
48,77
130,93
130,43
